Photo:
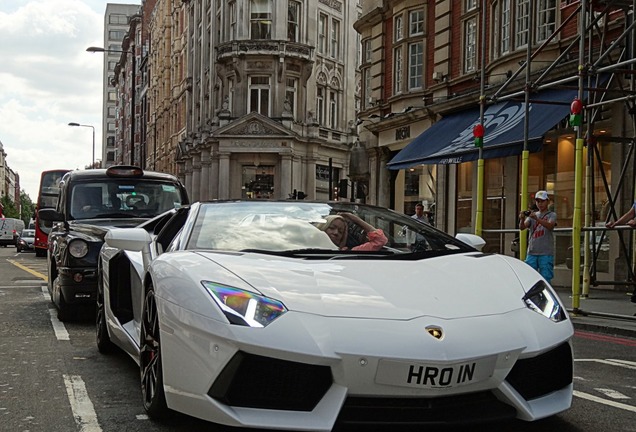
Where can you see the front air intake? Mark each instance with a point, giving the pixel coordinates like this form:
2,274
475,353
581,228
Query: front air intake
538,376
253,381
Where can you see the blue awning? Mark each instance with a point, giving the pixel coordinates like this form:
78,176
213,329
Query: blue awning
450,140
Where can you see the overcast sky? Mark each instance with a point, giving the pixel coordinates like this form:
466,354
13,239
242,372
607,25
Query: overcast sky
47,79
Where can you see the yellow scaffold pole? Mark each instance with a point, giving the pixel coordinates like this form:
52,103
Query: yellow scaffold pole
478,131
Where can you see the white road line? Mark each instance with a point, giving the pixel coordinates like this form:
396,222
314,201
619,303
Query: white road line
58,327
612,393
81,405
605,401
621,363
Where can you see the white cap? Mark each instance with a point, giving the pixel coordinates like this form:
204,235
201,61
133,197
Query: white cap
542,195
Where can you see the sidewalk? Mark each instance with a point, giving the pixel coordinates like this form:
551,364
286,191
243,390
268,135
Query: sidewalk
605,311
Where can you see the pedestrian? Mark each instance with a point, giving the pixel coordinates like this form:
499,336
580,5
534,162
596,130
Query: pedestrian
540,225
337,229
419,213
628,218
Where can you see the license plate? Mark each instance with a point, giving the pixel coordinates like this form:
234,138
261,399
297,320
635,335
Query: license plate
434,375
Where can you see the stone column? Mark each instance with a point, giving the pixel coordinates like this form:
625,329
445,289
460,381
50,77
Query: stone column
310,181
214,176
285,176
188,177
224,176
196,176
205,174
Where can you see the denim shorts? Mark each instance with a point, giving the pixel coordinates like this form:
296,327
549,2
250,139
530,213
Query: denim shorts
544,264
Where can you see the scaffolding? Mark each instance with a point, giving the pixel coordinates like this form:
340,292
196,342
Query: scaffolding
605,79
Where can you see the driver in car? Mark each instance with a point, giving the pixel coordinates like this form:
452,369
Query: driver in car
336,227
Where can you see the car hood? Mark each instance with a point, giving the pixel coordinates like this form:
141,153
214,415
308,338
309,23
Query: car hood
447,287
97,228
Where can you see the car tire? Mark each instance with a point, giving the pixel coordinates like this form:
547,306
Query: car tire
104,344
18,250
64,311
150,362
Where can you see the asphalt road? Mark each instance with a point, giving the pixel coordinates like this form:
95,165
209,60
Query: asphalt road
52,377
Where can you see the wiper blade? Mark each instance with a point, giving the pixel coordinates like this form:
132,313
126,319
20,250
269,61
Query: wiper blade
293,252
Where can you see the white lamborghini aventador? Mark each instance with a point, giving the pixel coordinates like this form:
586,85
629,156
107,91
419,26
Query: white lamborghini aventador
305,315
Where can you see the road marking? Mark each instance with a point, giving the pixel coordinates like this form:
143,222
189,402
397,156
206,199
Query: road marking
81,404
28,270
612,393
612,362
58,327
604,401
605,338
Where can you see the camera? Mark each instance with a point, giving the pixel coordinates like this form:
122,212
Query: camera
527,213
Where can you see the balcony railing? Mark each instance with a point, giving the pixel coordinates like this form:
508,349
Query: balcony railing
264,47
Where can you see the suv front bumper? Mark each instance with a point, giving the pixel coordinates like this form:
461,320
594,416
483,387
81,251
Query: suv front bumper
78,285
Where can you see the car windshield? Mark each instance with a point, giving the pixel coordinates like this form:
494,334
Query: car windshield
303,227
28,233
119,198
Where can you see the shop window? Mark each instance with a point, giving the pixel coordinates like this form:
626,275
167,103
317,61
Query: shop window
258,182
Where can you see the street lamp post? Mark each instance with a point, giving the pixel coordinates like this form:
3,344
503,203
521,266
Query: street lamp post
133,76
92,127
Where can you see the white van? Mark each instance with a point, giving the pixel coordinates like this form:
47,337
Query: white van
9,230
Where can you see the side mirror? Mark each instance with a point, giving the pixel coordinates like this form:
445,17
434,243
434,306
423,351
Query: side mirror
50,215
131,239
471,240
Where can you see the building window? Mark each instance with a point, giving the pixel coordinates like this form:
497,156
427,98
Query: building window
398,28
291,94
333,109
416,65
416,23
116,35
470,5
117,19
112,96
366,72
111,111
259,95
320,105
232,6
367,51
470,45
335,38
397,70
293,21
522,23
547,19
261,19
322,33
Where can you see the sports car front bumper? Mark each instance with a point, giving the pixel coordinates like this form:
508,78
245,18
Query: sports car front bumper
306,372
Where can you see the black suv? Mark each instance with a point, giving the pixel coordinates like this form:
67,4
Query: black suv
90,203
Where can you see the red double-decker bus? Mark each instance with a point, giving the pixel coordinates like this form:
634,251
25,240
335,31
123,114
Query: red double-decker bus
47,198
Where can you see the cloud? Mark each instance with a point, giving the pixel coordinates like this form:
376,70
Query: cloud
47,79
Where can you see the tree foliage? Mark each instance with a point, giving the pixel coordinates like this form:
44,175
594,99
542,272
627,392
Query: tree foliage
8,207
26,211
28,208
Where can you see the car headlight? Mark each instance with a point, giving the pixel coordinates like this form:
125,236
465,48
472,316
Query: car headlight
243,307
543,300
78,248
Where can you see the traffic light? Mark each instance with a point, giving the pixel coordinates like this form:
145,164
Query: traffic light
576,107
478,133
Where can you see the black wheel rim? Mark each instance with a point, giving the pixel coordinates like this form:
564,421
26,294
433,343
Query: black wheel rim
149,356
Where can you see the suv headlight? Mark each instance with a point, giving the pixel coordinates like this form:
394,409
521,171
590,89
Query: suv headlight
243,307
78,248
543,300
